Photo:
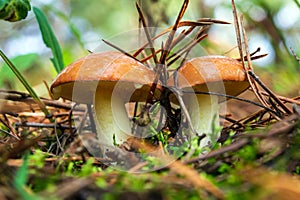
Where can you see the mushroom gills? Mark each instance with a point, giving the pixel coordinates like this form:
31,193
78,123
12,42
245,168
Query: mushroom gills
112,122
204,113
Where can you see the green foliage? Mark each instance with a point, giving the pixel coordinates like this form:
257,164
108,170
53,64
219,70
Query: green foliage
298,170
20,180
69,168
233,184
38,158
216,130
113,17
78,168
101,182
290,154
162,137
152,162
247,153
88,168
195,146
49,39
229,139
224,168
24,62
19,75
72,27
144,186
14,10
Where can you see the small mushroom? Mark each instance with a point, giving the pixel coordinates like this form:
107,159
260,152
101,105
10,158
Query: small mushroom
217,74
107,80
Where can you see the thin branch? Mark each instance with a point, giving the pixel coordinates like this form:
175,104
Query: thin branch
234,97
9,126
56,136
186,49
91,117
253,84
253,57
272,95
154,84
119,49
27,86
184,34
178,94
42,125
145,26
26,98
167,46
181,36
192,24
284,99
249,68
237,30
294,54
229,148
147,43
150,56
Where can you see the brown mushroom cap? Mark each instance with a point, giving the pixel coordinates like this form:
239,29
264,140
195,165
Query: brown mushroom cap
214,74
80,80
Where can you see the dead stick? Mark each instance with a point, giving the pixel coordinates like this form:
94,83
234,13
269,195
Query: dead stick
272,95
232,147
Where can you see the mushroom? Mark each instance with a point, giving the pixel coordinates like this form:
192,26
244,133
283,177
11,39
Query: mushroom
216,74
107,80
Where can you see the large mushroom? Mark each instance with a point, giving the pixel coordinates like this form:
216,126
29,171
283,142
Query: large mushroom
200,75
106,80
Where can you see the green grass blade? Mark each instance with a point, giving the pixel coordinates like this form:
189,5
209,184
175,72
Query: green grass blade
21,178
297,3
74,30
49,39
24,62
25,84
20,181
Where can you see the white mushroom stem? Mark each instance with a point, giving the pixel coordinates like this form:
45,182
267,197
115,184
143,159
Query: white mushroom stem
112,122
204,113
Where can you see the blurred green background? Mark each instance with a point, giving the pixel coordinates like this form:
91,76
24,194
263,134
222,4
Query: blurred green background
272,25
